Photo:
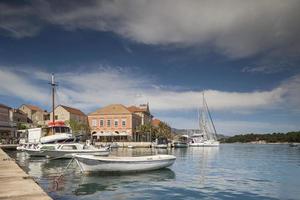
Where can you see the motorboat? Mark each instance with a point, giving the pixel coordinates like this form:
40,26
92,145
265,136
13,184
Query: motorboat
68,150
182,142
57,132
179,144
161,146
92,163
38,150
160,143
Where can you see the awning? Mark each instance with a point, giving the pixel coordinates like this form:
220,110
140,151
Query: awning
111,134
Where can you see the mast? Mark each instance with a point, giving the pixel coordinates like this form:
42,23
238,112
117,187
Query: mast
53,85
215,132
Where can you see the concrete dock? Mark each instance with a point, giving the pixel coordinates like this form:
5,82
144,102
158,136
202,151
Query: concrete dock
15,183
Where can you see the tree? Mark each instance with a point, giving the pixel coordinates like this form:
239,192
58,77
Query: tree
164,131
78,127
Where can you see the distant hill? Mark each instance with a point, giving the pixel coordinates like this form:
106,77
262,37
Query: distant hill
267,138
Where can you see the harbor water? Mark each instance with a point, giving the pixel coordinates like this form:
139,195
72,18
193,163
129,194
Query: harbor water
231,171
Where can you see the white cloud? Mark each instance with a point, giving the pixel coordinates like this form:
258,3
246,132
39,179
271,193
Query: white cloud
103,86
233,27
91,90
15,85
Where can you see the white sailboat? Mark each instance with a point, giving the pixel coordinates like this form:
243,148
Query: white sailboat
208,135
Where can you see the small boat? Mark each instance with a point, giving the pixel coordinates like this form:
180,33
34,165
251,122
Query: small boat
161,146
182,142
70,149
179,144
91,163
293,145
160,143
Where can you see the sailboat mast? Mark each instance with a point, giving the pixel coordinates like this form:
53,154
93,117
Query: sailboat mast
212,122
53,85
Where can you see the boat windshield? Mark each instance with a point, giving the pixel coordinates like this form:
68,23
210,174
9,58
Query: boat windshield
61,129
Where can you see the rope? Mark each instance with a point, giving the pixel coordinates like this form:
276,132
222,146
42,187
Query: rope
57,180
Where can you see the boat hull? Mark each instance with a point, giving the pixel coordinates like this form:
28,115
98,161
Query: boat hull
205,144
35,152
161,146
71,154
124,164
180,145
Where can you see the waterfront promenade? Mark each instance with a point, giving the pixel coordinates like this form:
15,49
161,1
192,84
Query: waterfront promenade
15,183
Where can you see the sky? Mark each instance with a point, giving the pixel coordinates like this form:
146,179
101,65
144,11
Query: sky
244,55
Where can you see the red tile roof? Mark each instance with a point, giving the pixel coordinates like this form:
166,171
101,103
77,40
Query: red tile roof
111,110
32,107
4,106
72,110
155,122
136,109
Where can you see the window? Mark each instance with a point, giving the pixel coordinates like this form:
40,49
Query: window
101,122
56,117
108,123
94,122
116,122
123,122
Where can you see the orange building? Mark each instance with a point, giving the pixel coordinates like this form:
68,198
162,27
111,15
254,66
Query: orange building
117,123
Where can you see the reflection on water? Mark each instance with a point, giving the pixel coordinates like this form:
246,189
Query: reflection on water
93,183
228,172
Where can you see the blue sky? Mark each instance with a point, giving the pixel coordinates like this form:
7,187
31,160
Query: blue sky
245,55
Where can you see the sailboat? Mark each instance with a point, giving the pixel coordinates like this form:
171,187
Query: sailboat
207,136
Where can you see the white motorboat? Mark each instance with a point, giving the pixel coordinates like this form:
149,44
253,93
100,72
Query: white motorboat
179,144
38,150
61,137
68,150
182,142
91,163
161,146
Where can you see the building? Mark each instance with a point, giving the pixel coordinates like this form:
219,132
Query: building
6,126
66,114
155,122
116,123
142,111
20,118
37,116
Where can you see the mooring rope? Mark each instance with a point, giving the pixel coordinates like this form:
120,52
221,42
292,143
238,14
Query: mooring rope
57,180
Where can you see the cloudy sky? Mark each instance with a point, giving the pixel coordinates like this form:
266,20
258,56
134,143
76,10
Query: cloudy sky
243,54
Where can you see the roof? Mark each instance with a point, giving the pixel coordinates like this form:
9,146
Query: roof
72,110
32,107
112,110
4,106
137,109
155,122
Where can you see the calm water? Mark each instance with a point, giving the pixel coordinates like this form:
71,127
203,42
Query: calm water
228,172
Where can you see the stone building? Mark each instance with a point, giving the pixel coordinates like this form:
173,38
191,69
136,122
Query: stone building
142,111
37,116
66,114
6,126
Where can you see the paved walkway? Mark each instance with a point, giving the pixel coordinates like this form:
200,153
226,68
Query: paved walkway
15,183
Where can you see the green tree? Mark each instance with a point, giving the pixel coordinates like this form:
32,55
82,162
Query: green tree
164,131
77,127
